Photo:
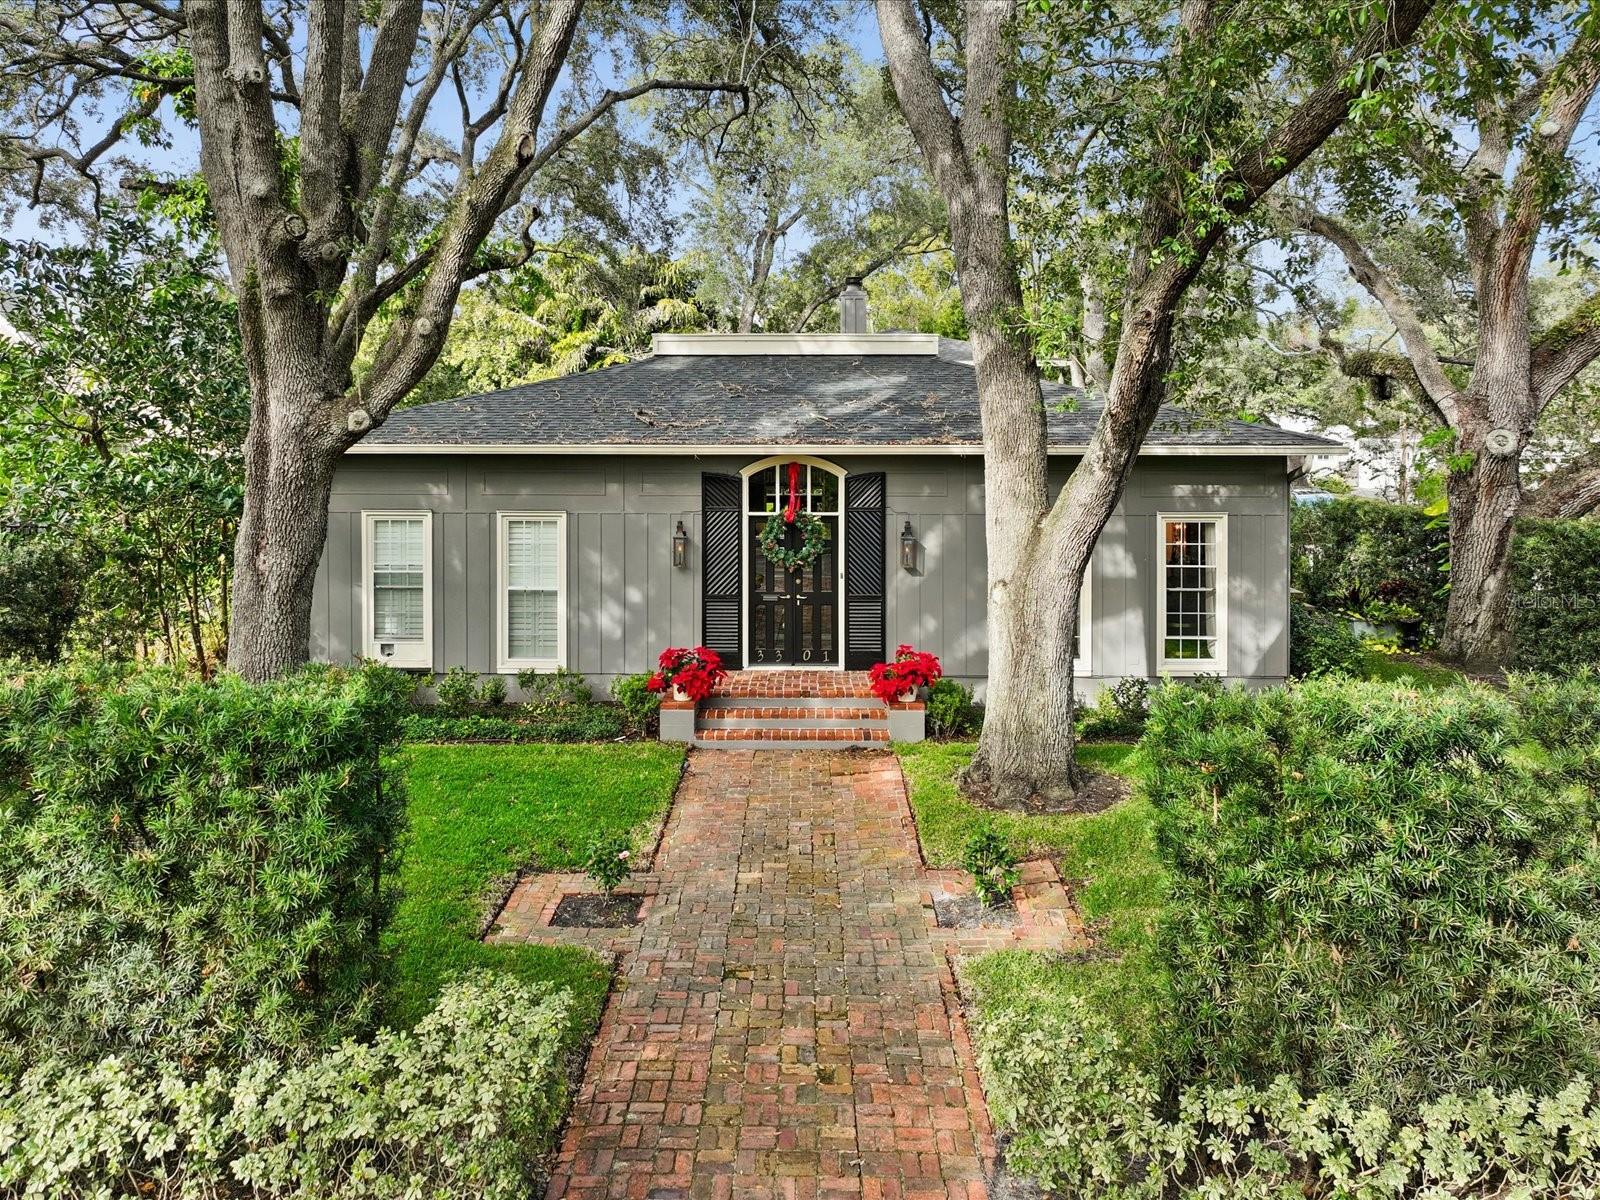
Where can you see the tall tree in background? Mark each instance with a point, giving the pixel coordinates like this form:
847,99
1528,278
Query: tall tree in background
828,164
123,407
1488,164
335,188
1203,110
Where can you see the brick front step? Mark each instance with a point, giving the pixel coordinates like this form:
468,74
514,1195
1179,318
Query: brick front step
776,710
841,685
855,734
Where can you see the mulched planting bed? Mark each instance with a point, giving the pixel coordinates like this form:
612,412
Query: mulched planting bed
595,910
969,912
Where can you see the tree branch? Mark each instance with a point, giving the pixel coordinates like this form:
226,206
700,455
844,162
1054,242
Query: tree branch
1564,350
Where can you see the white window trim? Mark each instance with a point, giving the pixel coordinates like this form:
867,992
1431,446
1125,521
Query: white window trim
1083,664
1192,666
504,663
417,655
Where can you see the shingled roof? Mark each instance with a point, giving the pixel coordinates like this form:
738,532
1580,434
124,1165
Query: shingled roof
749,399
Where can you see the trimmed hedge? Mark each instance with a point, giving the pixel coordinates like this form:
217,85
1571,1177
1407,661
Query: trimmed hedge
1375,889
192,871
567,723
464,1105
1556,570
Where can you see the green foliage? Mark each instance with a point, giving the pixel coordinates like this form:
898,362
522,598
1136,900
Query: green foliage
951,710
123,409
991,862
610,860
41,588
492,691
1083,1119
190,870
554,689
633,695
1322,643
1348,552
1556,574
457,690
478,815
1375,890
1119,711
464,1105
572,723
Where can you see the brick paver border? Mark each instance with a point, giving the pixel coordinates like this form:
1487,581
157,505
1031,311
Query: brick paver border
785,1023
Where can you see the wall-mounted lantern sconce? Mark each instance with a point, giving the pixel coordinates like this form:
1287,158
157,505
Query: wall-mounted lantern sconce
908,548
680,547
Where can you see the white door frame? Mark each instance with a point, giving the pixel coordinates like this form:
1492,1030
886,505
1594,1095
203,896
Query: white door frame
745,514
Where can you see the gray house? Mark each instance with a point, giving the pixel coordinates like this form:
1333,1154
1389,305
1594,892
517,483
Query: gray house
589,521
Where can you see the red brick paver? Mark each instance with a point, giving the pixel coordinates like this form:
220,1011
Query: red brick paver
786,1022
827,685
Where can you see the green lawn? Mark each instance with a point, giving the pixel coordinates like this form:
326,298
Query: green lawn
1412,672
1109,859
480,811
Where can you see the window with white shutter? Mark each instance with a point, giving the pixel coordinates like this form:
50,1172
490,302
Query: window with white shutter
396,586
532,594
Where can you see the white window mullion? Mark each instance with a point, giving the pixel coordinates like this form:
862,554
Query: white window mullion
1192,593
397,588
531,566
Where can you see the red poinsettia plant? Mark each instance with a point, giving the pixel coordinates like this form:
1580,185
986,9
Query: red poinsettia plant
910,670
696,672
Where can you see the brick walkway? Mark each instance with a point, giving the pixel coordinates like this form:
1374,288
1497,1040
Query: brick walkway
785,1022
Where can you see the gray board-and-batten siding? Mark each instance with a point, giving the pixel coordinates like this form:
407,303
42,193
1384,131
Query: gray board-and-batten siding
626,601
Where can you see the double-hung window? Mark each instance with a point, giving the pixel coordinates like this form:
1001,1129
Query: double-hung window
1192,593
397,587
532,600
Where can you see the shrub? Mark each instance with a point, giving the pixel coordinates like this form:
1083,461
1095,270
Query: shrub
492,692
41,588
992,864
638,702
1119,711
951,709
1372,889
1322,644
457,691
1556,574
554,689
609,860
1083,1122
575,723
188,869
1347,552
463,1105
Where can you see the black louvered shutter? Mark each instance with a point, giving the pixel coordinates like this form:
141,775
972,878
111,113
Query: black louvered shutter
722,510
866,560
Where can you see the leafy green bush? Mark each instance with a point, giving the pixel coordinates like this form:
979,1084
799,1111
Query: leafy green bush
1083,1121
1118,711
41,587
1322,644
492,691
188,869
554,689
1347,552
463,1105
951,710
1373,889
638,702
609,861
457,691
991,862
1556,573
576,723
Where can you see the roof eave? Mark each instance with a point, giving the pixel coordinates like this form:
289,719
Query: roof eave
1164,450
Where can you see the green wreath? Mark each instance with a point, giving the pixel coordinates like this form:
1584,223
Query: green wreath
779,555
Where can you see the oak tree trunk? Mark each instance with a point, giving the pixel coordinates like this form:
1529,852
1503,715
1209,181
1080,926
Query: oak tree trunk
1484,502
